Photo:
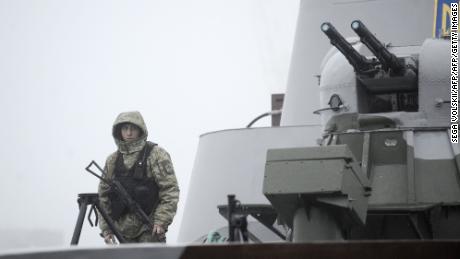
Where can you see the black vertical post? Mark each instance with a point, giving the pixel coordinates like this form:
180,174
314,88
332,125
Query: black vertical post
231,209
81,216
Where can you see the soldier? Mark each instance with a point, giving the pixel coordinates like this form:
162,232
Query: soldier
146,172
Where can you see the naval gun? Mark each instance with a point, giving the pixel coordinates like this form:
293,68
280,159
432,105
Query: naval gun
385,167
385,73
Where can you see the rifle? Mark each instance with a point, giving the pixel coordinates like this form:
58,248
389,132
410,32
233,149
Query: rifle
131,204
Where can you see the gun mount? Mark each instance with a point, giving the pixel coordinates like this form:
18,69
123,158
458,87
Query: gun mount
383,83
383,74
374,175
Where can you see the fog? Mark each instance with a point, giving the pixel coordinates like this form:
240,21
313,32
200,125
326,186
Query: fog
67,68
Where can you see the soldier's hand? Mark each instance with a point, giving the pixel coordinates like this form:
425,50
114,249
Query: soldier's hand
109,239
158,229
158,233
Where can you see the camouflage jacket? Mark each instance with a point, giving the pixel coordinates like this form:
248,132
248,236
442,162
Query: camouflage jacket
159,166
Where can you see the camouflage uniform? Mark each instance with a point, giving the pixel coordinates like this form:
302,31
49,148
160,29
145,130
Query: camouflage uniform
159,166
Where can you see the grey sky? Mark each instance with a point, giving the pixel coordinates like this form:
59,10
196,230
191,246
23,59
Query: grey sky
67,68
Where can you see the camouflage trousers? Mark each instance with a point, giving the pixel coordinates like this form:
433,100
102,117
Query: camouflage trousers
147,237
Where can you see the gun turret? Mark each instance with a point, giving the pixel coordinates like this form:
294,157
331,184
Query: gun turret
360,63
386,58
